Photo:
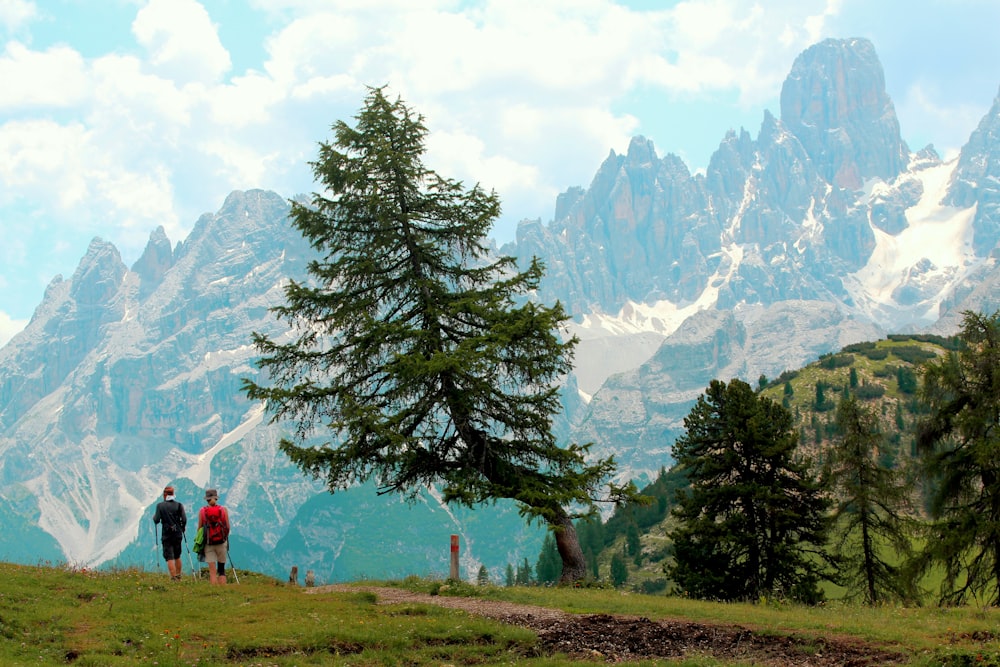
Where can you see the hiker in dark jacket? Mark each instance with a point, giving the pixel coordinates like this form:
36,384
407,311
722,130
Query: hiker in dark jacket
170,514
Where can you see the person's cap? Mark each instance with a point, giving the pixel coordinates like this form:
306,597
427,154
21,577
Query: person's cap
211,493
168,491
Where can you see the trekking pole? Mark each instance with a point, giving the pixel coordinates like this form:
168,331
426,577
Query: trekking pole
194,573
231,563
156,543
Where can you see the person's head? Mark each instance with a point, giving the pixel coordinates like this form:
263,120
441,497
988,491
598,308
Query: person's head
168,492
211,496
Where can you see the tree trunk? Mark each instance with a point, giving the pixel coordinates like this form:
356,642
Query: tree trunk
574,565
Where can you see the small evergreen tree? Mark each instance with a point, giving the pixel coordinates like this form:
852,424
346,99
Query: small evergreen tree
820,396
524,577
633,545
483,577
753,521
590,530
509,578
619,570
906,379
593,565
870,511
549,565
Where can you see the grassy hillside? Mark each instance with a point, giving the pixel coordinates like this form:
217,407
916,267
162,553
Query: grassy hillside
884,375
56,616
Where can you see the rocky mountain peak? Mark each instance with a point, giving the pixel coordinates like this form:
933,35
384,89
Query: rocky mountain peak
977,180
834,101
641,153
155,261
98,275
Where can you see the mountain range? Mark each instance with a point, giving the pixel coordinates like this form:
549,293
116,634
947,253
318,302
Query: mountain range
824,230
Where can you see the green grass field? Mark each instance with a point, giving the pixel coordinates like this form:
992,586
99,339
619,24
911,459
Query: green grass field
59,616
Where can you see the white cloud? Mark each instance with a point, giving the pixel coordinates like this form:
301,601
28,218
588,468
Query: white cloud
315,46
9,327
54,78
239,166
81,182
452,153
181,40
16,13
136,200
44,161
523,96
947,126
248,100
704,47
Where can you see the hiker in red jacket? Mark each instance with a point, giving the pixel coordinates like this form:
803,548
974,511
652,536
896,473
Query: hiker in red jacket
215,520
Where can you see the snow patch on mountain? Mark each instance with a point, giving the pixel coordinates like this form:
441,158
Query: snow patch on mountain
910,272
199,471
612,344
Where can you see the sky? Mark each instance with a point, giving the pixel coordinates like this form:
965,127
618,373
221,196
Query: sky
121,116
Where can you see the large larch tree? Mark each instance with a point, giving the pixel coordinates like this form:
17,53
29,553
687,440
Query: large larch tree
415,357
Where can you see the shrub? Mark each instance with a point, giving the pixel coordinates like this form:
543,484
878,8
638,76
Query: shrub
907,380
869,391
786,376
651,586
830,361
913,354
887,371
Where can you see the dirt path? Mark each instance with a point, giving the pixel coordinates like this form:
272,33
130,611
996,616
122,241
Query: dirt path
617,638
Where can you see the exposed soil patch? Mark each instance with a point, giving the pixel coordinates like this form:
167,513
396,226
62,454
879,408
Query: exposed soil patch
612,638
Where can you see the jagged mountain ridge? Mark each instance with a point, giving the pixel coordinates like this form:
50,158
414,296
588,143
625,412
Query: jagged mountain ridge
794,214
791,245
143,389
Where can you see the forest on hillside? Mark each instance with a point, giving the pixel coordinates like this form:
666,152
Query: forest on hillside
890,440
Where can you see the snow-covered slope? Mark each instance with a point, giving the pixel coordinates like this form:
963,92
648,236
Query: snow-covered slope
911,272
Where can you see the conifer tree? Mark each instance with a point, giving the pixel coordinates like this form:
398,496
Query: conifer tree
958,442
549,565
619,570
524,575
633,543
415,358
871,507
753,522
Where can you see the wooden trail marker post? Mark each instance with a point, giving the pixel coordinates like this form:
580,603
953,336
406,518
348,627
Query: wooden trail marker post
453,574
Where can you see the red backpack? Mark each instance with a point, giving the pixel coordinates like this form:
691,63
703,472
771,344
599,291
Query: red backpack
216,526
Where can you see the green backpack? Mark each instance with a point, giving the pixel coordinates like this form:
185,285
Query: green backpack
199,541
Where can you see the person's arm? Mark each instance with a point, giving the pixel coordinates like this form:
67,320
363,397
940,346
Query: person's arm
201,517
156,515
183,518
